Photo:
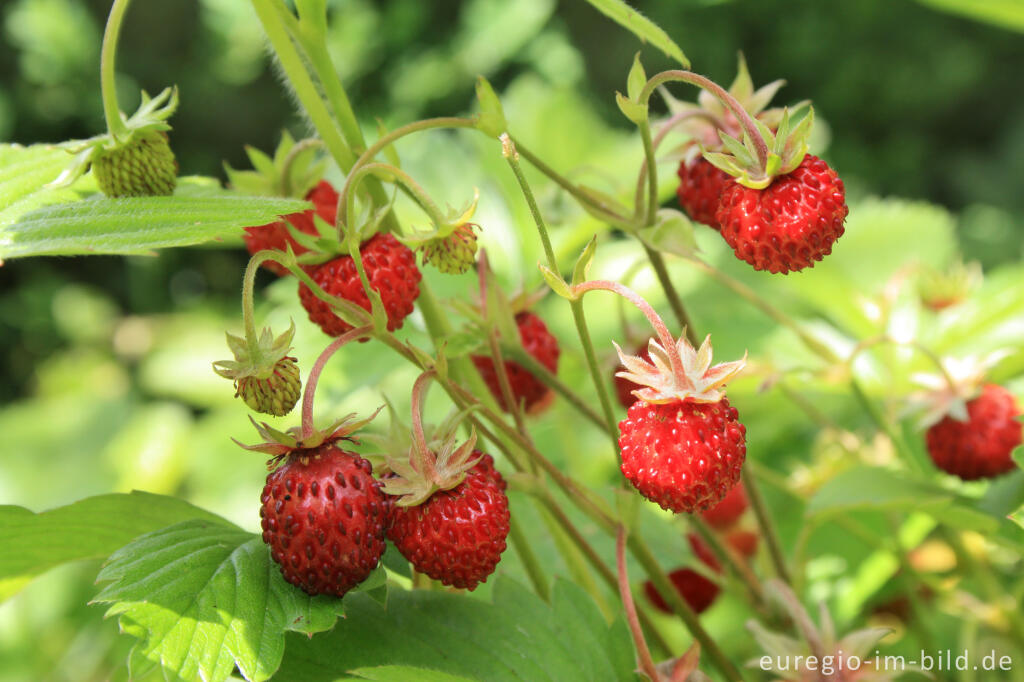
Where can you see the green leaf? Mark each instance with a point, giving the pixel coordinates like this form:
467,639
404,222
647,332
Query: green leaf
874,488
404,673
642,27
517,637
671,233
204,597
137,225
88,529
1008,14
492,117
24,174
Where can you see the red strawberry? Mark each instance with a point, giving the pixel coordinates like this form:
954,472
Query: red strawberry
685,456
457,535
391,269
726,512
981,446
681,443
788,225
275,235
703,552
324,518
624,387
744,542
700,189
539,343
695,589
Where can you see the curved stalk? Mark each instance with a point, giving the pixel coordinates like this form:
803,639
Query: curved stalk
108,76
643,653
318,367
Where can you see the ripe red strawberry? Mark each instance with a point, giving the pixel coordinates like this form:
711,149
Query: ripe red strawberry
391,269
685,456
324,517
700,190
458,535
624,387
695,589
539,343
681,443
788,225
275,235
981,446
726,512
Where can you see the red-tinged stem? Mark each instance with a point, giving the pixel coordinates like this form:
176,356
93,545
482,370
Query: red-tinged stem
642,652
749,127
318,367
652,316
419,439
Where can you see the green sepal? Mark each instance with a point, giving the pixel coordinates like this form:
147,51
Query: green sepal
582,267
151,117
634,111
293,171
557,284
491,119
636,80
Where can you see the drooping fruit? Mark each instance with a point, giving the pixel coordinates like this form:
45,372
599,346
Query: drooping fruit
788,225
276,236
457,535
699,592
981,446
391,270
324,518
526,388
144,167
700,190
681,443
265,376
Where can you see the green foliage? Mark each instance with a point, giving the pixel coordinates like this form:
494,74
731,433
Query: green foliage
204,596
644,29
1004,13
89,529
515,637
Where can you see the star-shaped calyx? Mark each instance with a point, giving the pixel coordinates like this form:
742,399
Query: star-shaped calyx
297,442
690,377
265,376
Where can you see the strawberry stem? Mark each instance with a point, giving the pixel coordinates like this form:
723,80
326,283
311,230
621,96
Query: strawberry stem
652,316
643,653
419,439
346,207
108,76
749,127
318,367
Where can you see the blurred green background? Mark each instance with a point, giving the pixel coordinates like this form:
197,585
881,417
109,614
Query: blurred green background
106,360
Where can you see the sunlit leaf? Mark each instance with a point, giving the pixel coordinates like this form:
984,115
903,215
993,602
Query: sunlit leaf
642,27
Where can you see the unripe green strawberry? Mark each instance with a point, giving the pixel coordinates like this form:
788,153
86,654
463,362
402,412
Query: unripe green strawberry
144,167
454,254
275,394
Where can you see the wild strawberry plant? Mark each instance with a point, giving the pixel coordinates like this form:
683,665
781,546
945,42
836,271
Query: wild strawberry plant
481,547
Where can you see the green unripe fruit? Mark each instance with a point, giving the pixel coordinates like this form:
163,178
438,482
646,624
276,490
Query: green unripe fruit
144,167
275,394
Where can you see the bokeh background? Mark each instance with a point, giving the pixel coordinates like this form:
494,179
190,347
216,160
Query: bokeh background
105,360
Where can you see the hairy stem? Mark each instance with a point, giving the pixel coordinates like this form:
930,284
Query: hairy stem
318,367
642,652
108,76
767,526
671,294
